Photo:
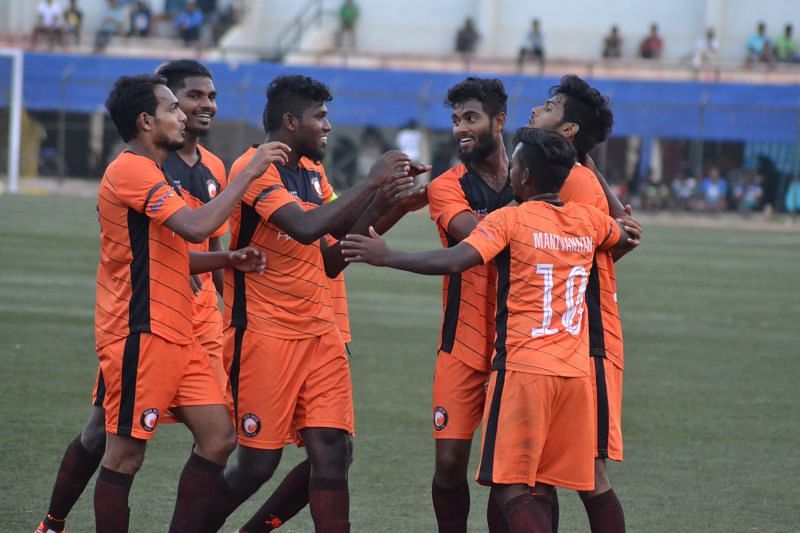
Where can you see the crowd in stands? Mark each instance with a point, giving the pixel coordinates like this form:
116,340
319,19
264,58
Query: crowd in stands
192,21
743,191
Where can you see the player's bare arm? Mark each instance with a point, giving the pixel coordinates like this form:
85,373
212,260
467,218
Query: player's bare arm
374,251
246,259
218,275
195,225
389,205
335,218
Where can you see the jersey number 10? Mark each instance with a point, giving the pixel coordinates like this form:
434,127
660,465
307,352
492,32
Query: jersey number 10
573,317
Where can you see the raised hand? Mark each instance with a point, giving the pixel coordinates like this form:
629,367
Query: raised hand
394,164
413,199
265,155
632,227
362,249
248,259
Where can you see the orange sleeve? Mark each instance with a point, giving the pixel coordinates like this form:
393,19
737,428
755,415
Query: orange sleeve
493,233
582,186
267,194
141,185
446,200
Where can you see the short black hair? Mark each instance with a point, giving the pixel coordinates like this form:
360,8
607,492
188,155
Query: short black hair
548,156
131,96
292,94
176,72
588,108
491,93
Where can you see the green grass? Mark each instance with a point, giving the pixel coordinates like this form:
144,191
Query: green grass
711,388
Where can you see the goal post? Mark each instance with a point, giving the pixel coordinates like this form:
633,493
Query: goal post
14,116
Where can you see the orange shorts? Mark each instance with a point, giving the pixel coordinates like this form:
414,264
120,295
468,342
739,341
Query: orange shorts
459,392
537,428
283,386
607,395
144,375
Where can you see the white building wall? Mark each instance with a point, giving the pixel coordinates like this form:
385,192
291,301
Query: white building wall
573,28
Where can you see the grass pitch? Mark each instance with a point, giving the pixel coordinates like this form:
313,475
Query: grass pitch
711,385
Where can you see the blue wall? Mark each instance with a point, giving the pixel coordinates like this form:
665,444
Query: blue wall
735,112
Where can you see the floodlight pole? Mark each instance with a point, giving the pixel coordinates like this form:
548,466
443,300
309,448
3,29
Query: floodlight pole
14,117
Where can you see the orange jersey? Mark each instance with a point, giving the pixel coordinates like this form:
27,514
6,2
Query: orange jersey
143,275
468,299
544,254
200,184
292,299
605,325
339,296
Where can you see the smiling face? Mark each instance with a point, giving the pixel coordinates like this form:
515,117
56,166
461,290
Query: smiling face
169,123
473,130
197,98
312,131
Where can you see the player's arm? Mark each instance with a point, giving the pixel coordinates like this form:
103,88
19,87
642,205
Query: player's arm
217,275
618,211
373,250
335,218
246,259
633,229
391,203
195,225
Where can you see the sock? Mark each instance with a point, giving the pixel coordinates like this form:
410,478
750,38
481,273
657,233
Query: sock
526,513
196,487
330,504
287,500
451,507
224,502
605,513
556,513
77,468
111,512
494,516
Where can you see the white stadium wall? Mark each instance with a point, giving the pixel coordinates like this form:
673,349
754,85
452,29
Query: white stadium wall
573,28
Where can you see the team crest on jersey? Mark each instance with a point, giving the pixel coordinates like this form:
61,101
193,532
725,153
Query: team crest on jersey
317,185
251,425
439,418
149,419
212,188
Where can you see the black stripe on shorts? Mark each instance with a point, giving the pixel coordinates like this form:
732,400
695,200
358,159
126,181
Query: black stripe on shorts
236,365
602,407
100,390
130,368
486,468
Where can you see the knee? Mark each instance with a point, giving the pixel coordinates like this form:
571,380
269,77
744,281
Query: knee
253,467
451,466
93,436
219,447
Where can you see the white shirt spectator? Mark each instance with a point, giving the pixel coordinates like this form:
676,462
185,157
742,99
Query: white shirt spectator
50,14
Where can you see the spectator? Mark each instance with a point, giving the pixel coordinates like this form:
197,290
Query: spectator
112,24
224,21
49,23
348,16
612,44
792,200
714,189
655,193
73,21
786,47
705,50
747,194
759,48
684,190
652,45
141,18
466,39
189,23
532,46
